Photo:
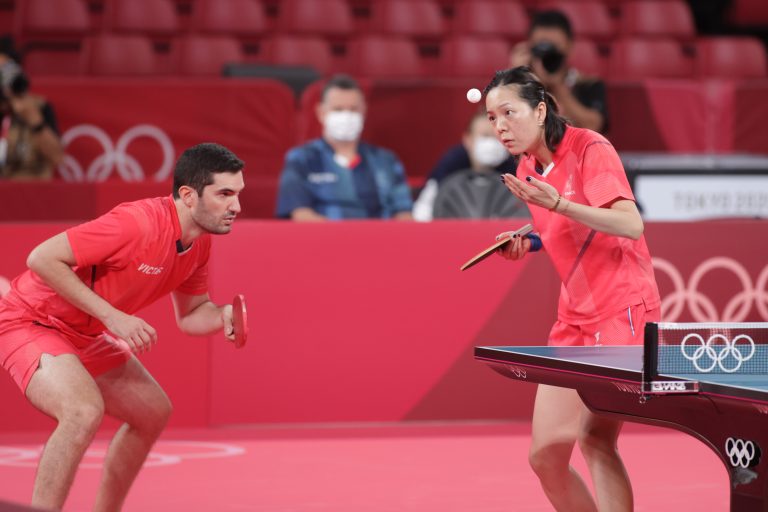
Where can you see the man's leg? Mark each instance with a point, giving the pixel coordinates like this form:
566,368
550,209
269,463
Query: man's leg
133,396
555,429
63,389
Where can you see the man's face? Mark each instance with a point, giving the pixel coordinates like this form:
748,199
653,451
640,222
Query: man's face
337,100
342,114
216,209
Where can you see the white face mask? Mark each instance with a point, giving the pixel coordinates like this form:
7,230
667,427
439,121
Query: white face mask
343,125
489,152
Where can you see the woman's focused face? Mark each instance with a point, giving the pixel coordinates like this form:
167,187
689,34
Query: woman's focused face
516,125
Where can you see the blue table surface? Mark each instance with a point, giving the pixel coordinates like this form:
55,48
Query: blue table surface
629,358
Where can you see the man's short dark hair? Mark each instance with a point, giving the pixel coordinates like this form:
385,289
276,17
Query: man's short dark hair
197,165
552,19
344,82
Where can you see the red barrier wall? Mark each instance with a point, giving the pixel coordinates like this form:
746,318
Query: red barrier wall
373,321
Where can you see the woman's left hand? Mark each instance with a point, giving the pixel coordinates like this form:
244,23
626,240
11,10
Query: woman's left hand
534,192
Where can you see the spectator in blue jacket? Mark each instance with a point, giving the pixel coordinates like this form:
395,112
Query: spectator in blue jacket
338,176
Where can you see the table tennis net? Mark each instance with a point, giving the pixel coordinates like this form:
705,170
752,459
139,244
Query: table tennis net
708,348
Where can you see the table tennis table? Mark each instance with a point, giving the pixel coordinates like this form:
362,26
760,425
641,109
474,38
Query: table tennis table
728,411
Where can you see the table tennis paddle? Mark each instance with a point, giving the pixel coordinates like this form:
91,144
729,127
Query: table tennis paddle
239,320
498,245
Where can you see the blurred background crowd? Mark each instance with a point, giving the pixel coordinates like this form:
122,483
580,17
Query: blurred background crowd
356,108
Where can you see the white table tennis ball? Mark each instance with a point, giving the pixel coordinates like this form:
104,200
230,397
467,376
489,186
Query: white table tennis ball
474,95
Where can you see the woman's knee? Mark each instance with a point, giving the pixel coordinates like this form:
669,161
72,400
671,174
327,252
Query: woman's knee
550,459
598,440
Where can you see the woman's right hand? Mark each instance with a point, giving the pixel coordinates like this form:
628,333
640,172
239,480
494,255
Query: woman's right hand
515,249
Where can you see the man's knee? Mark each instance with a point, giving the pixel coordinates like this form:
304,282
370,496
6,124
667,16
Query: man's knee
155,414
83,418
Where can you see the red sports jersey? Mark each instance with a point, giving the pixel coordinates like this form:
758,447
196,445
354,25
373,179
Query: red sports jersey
602,274
127,256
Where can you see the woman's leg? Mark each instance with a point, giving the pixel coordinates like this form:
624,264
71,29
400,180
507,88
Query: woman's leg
557,420
598,443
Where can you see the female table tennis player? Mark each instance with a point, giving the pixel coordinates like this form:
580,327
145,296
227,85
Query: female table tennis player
585,214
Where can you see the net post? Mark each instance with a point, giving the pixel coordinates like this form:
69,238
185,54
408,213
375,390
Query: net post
650,354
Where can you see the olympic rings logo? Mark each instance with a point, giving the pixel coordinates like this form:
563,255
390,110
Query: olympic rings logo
115,156
717,358
700,306
164,453
742,453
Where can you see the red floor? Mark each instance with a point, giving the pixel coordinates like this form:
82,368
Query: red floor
445,467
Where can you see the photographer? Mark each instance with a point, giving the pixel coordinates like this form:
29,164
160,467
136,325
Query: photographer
581,99
30,147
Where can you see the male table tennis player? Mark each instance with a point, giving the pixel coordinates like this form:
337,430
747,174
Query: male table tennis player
68,333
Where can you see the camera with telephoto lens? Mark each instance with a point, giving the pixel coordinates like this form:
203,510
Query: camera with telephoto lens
13,79
551,58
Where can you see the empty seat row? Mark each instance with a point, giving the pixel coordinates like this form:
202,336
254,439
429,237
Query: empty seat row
410,18
379,57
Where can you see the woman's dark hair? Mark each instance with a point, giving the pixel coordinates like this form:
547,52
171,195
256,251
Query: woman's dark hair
533,92
197,165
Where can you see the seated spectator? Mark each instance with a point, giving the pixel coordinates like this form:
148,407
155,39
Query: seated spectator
581,99
480,158
338,176
30,147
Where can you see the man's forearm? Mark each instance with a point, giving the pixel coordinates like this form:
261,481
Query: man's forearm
306,214
204,319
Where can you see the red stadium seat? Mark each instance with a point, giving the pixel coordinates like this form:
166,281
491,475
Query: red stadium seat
229,17
497,18
589,19
317,17
122,55
468,56
657,18
57,60
748,13
55,18
311,51
586,58
637,59
207,55
730,57
385,57
8,12
52,34
410,18
151,17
